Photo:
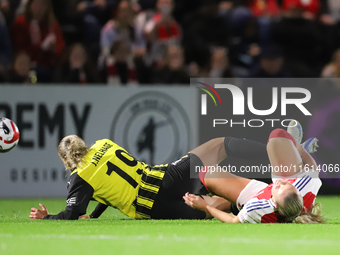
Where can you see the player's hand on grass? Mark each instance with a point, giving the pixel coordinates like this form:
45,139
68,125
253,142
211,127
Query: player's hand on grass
37,214
195,202
84,217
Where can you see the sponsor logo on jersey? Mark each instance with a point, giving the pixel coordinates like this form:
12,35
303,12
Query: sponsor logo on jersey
71,201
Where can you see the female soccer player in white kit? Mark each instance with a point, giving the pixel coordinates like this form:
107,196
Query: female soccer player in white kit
290,198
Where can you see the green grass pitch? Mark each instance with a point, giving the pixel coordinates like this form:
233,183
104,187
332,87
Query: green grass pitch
113,233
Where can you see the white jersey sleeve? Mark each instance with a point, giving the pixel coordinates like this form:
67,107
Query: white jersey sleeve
255,209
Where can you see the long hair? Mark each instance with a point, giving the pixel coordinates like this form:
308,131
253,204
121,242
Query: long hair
65,58
291,206
49,18
312,215
72,149
293,210
63,69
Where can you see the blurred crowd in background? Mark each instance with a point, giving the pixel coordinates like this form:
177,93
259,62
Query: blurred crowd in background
118,42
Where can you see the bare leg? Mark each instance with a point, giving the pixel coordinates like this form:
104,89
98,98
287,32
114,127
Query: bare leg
284,157
228,186
211,152
282,152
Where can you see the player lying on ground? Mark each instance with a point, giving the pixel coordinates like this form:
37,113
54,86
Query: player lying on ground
108,174
290,198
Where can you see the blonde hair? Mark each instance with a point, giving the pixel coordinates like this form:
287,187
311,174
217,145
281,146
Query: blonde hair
72,150
292,206
292,210
313,215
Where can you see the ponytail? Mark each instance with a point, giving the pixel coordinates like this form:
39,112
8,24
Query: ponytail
313,215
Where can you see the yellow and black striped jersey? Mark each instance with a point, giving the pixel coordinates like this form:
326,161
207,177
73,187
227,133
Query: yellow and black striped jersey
111,176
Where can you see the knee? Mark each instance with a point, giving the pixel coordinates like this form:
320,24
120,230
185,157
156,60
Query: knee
280,133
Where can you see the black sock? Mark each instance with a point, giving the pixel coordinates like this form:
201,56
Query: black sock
243,148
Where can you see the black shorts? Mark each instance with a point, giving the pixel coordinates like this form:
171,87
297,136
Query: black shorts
169,203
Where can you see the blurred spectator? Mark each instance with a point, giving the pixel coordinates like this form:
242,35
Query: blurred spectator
271,64
8,8
325,15
265,11
202,31
236,13
4,5
332,7
196,71
219,64
245,50
332,72
332,69
22,72
310,8
120,66
161,30
76,67
141,19
117,41
21,7
93,15
150,45
173,69
4,9
37,32
264,7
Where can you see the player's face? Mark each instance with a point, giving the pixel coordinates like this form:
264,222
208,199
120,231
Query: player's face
281,189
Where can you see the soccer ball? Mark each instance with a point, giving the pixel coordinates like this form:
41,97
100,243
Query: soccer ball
9,135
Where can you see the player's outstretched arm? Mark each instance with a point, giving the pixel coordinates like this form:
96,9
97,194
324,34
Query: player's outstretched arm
68,214
197,202
77,202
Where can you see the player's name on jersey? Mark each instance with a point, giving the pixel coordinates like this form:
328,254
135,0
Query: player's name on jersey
100,153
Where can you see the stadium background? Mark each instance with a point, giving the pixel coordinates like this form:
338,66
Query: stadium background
100,66
95,59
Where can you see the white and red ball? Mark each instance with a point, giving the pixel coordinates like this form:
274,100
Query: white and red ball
9,135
